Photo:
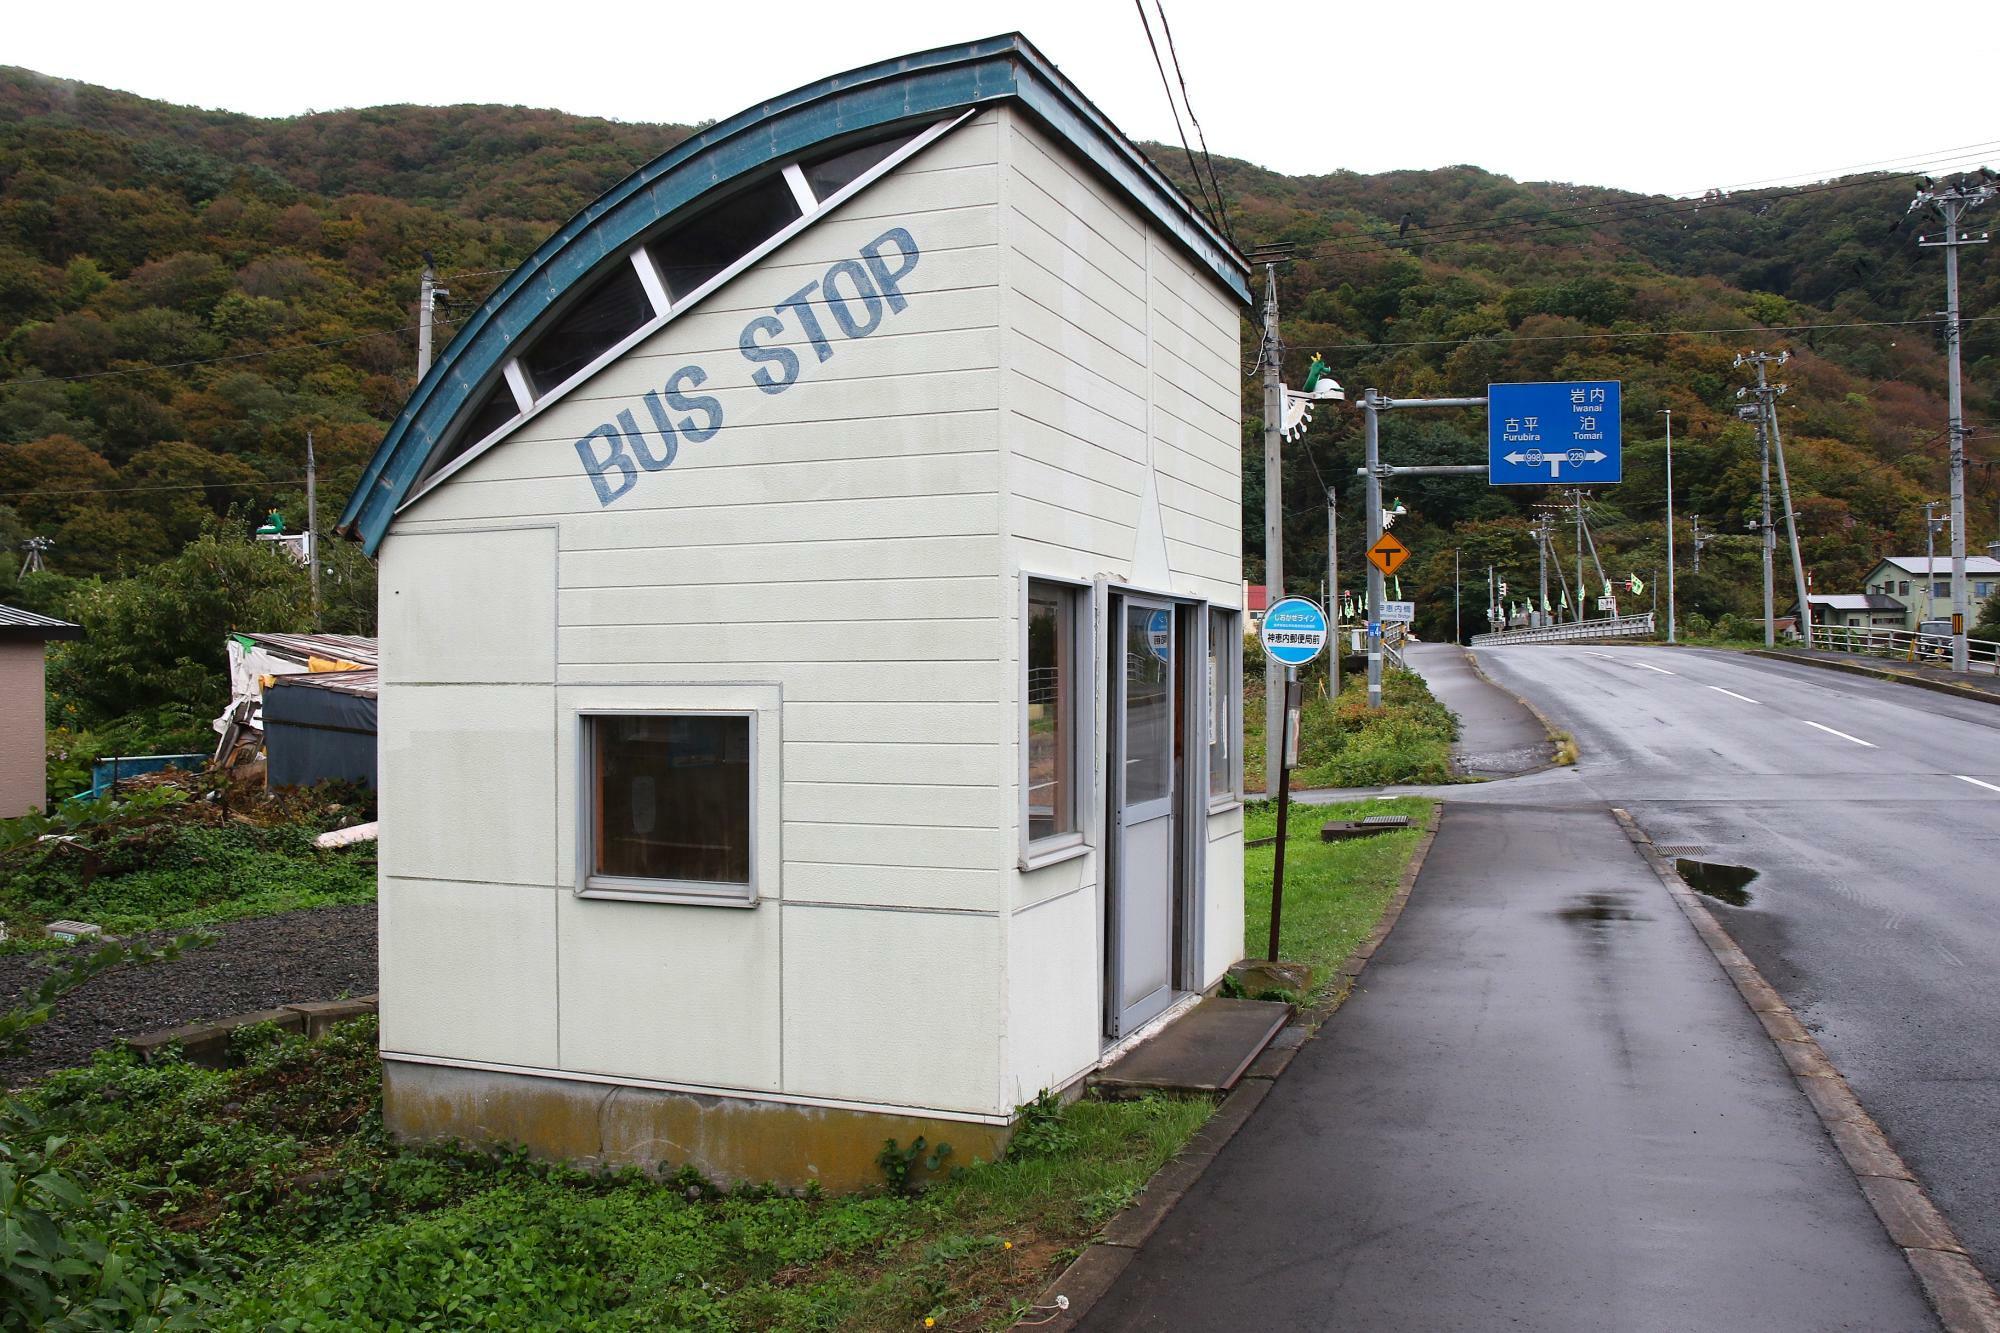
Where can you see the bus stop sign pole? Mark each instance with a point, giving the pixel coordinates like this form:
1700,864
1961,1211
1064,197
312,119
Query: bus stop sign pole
1293,633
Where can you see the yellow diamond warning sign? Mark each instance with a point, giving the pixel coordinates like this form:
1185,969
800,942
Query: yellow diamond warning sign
1388,554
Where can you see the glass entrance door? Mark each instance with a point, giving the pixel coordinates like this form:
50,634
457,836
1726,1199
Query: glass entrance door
1140,900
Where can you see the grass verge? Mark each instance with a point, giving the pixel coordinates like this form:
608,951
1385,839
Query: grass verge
144,863
268,1197
1342,743
1334,891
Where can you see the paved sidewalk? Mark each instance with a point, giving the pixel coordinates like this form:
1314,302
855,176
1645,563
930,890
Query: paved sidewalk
1498,736
1545,1108
1985,682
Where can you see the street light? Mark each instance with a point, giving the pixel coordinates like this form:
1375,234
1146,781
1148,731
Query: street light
1668,413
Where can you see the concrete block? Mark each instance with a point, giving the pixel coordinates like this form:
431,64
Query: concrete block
1832,1099
1782,1026
1866,1151
1964,1299
1806,1060
1907,1215
205,1044
321,1017
210,1044
1081,1286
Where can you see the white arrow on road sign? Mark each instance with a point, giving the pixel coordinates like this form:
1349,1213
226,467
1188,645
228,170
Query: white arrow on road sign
1555,459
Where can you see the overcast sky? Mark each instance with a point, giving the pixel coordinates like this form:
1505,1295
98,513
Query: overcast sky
1672,96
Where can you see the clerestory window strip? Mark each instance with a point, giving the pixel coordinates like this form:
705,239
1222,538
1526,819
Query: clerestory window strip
644,256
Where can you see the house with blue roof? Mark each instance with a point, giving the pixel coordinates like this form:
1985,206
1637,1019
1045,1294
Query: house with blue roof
811,607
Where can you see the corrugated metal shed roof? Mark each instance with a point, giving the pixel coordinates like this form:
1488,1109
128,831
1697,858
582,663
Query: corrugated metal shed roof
353,648
1857,601
18,624
363,684
1974,564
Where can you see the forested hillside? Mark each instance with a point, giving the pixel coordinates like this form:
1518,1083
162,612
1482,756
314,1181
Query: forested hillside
185,294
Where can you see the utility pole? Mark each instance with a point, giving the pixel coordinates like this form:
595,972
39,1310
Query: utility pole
312,525
1541,569
1457,634
1931,525
1578,493
36,548
1755,415
1333,585
1668,413
1372,438
427,294
1274,523
1951,203
1767,396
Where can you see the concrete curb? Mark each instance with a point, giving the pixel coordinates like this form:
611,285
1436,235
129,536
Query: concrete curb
212,1044
1951,687
1549,728
1065,1302
1964,1300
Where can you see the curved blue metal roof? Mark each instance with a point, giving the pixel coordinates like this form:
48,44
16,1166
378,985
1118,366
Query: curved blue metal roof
930,83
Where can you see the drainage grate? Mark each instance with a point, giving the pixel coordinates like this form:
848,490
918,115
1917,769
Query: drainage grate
1677,849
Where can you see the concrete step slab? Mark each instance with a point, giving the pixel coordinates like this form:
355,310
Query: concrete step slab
1205,1052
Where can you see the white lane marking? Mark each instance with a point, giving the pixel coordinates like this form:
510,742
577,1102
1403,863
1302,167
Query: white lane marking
1606,656
1843,735
1734,695
1662,670
1976,782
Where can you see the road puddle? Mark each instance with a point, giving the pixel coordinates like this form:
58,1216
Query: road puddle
1713,879
1598,908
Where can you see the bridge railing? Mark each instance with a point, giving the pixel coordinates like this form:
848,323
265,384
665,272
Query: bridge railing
1395,636
1982,655
1612,627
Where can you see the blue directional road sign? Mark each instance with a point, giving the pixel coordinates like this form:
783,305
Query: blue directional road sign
1553,434
1294,631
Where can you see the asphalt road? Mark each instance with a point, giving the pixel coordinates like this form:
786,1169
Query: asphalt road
1544,1108
1497,737
1871,814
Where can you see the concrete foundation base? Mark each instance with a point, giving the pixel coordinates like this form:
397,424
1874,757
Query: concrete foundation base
729,1140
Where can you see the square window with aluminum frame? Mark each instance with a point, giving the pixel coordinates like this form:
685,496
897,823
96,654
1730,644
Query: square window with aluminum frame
1057,716
667,805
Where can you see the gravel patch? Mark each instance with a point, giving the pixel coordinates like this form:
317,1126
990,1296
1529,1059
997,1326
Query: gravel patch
320,953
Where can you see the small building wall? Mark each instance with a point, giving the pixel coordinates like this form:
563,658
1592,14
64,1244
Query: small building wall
23,728
843,559
1121,413
830,559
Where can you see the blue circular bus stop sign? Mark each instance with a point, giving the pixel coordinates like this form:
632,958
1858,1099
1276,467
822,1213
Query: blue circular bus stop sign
1294,631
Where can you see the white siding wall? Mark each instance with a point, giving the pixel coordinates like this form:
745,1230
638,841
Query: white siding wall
832,558
1120,416
844,558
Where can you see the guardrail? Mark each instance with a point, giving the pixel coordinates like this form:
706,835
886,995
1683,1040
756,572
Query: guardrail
1395,635
1612,627
1905,645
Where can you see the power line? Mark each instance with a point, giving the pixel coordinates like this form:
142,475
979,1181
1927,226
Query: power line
1174,107
1200,137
